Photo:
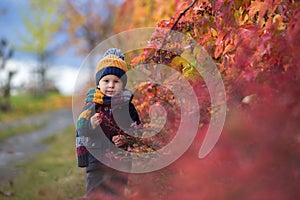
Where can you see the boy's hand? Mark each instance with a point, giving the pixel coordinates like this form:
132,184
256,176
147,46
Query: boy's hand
134,124
119,140
96,120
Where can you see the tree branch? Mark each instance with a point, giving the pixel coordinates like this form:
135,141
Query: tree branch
183,13
172,28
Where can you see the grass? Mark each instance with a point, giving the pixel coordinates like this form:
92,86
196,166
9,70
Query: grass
52,175
25,105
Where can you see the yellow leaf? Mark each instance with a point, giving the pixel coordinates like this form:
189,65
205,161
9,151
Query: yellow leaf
277,19
213,32
178,63
246,18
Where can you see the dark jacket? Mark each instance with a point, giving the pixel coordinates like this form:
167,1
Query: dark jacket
117,114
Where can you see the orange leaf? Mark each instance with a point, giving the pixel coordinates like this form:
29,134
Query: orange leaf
136,60
218,51
228,48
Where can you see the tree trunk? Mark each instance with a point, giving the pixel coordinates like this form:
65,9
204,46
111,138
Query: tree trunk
6,104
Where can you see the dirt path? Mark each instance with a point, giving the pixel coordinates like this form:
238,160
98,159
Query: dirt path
23,147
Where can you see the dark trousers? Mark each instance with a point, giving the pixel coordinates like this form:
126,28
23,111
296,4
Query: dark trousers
105,184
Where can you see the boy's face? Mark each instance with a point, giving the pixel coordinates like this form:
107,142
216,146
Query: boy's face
110,85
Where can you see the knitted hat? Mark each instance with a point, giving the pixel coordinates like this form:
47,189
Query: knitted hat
112,63
116,52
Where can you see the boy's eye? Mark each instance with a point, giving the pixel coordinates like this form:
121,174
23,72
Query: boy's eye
116,81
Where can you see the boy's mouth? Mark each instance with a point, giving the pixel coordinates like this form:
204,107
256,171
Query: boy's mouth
110,92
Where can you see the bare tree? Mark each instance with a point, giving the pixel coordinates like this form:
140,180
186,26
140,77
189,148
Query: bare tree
87,23
6,52
41,24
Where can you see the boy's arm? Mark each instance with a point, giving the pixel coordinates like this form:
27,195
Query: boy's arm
83,129
134,114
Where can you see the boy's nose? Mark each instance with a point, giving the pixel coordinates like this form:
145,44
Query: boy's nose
111,84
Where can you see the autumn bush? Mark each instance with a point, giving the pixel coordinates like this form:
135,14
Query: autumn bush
255,46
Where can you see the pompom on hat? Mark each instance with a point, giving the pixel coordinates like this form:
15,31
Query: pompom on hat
116,52
112,63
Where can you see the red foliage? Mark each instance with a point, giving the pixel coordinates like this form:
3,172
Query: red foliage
256,46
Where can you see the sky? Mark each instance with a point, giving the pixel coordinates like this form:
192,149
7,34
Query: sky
11,28
64,68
